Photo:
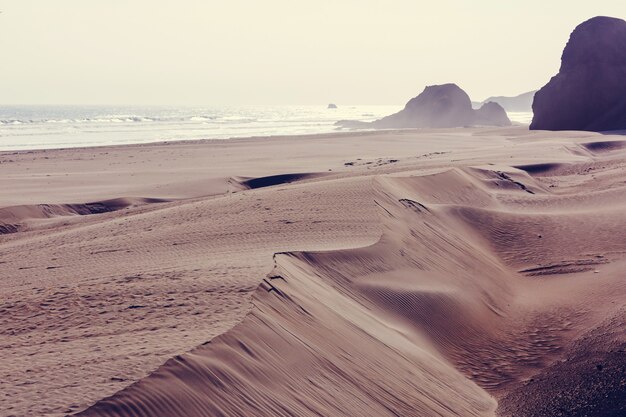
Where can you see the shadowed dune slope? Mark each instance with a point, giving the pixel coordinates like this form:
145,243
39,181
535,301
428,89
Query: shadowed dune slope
605,146
269,181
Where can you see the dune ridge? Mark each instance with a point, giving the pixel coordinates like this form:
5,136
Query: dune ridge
437,308
300,308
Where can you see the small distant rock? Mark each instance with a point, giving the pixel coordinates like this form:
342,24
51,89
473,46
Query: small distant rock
491,113
332,106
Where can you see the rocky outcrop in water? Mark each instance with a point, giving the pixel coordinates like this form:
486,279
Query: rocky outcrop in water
589,92
438,106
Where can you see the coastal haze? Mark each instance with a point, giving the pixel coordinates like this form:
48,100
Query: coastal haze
195,222
196,52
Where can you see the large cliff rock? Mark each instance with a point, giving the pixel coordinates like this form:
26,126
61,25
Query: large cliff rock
589,92
439,106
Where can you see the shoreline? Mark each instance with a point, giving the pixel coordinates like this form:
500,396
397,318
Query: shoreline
53,128
195,141
339,132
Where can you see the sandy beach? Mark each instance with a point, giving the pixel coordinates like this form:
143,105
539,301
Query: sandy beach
472,271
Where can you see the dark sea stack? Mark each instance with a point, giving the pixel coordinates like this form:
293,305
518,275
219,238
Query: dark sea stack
589,92
491,114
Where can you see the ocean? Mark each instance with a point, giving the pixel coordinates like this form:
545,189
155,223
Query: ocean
50,127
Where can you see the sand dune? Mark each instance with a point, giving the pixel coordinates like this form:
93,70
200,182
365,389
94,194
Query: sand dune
15,218
471,272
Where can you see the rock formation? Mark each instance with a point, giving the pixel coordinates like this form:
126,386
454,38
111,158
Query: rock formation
332,106
589,92
438,106
491,114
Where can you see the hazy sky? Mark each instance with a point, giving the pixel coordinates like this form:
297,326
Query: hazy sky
279,51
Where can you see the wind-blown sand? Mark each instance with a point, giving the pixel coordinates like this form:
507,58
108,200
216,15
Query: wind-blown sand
460,272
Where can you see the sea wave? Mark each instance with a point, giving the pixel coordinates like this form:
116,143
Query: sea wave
38,127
